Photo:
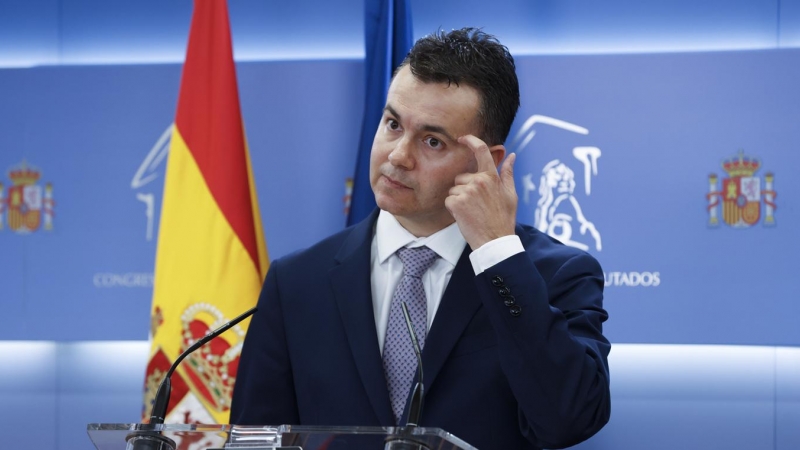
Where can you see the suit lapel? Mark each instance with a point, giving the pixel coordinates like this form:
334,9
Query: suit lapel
350,281
459,304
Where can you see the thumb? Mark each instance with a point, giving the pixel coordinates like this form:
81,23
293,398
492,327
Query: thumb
507,170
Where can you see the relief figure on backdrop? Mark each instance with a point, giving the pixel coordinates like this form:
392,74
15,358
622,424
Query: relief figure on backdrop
553,216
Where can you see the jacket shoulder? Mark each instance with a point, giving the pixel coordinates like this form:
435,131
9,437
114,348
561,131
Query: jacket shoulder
325,253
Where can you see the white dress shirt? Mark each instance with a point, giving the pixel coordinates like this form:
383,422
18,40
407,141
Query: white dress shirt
448,243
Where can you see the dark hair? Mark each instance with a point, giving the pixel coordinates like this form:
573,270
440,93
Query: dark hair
476,59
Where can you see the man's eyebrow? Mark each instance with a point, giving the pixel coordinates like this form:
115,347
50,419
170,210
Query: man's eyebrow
391,111
432,128
440,130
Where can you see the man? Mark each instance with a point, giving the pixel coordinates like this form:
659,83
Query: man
514,355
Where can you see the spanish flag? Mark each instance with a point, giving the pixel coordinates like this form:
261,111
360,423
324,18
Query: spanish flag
211,257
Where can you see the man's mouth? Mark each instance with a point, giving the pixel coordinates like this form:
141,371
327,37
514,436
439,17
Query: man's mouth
394,183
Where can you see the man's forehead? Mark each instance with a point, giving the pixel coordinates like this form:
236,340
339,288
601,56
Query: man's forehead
405,75
409,94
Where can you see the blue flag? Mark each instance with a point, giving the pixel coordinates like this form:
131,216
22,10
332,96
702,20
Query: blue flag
388,38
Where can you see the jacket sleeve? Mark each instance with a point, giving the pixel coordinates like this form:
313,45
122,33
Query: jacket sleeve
551,347
264,391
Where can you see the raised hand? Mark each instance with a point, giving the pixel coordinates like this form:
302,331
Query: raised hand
484,203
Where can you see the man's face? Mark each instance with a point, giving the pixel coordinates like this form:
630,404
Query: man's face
415,156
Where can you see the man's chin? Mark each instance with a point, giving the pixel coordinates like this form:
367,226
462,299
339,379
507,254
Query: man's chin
388,205
394,205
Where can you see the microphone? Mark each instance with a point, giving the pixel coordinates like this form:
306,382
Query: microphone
415,409
404,440
147,440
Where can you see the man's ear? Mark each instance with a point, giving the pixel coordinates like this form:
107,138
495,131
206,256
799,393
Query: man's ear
498,153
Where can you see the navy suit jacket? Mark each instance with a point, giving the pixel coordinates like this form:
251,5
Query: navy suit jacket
492,378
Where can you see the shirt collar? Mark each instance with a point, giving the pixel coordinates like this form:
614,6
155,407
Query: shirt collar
448,242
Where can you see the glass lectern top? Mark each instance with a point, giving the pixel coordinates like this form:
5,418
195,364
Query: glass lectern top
240,437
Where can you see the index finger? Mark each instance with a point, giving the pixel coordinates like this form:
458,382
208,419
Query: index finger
481,151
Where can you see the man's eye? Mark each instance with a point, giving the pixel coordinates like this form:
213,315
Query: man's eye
393,124
433,142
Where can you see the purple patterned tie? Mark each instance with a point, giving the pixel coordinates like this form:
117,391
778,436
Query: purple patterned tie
399,359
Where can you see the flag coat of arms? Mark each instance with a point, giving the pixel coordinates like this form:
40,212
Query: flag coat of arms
742,194
742,200
211,256
27,204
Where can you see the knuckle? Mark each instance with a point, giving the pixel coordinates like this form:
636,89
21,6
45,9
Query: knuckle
482,181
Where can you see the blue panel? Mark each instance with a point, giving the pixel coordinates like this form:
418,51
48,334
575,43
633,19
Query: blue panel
75,411
96,31
695,398
33,368
91,276
787,433
789,23
681,372
664,123
664,396
14,264
29,420
28,32
788,374
100,123
111,367
787,392
691,397
585,26
302,123
300,29
511,21
51,391
12,282
28,394
687,425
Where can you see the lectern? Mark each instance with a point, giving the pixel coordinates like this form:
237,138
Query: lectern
115,436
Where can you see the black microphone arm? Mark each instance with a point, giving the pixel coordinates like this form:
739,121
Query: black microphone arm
404,438
162,396
415,409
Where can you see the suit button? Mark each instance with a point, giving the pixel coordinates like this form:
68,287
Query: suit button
509,301
516,310
504,291
497,281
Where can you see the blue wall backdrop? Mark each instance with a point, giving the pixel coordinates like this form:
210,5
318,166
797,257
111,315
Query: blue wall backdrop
662,137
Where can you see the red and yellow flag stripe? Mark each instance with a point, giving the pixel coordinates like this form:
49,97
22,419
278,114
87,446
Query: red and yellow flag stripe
211,256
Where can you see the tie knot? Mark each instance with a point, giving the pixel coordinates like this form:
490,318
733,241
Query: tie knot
416,260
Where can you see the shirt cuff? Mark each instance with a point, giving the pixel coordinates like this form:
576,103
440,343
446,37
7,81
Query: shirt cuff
494,252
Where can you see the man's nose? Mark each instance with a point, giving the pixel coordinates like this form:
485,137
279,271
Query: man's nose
402,155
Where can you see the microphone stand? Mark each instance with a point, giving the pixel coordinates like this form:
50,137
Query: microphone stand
405,440
154,440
